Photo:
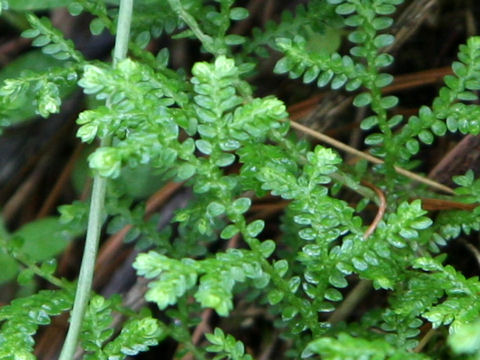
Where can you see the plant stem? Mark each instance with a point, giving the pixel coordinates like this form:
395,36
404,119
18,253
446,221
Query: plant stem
423,342
86,271
205,39
95,219
351,301
123,31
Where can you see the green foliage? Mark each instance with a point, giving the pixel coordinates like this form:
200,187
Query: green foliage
35,242
3,5
137,335
349,347
466,339
28,5
316,22
461,305
21,319
362,68
206,127
216,276
226,346
42,239
50,39
48,84
452,110
19,106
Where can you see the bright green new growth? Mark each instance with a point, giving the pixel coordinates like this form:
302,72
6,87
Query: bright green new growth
21,319
226,346
193,127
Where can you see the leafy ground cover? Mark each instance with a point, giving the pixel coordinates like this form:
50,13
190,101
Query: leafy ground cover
245,179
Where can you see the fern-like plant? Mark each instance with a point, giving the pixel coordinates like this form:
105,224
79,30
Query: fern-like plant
208,128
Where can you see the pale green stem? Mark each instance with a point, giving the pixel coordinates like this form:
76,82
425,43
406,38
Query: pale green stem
123,31
86,271
95,219
206,40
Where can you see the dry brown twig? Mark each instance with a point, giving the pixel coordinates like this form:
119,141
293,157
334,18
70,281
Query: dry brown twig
344,147
382,207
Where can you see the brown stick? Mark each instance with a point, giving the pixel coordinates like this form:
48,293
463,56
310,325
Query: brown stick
49,203
15,202
344,147
382,207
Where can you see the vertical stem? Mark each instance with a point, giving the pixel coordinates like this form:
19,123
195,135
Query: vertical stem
95,219
123,30
86,271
